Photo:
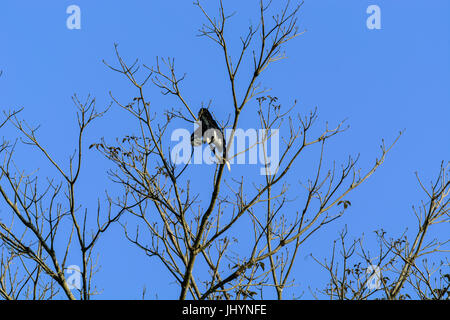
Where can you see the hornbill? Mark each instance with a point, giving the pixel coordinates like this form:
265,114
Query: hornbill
209,132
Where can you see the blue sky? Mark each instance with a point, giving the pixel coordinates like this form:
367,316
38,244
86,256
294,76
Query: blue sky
382,81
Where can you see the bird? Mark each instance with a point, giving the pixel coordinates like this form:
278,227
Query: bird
209,132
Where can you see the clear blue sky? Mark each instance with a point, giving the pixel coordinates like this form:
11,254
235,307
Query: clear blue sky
383,81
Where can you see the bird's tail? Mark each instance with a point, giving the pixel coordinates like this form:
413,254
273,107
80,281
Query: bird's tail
224,160
228,164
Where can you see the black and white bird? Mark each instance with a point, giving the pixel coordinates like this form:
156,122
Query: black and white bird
210,133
